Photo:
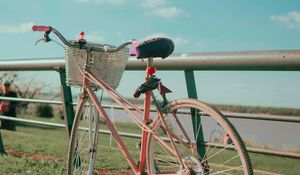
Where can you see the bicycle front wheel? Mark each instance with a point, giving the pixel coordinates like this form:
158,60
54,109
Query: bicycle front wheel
83,140
194,138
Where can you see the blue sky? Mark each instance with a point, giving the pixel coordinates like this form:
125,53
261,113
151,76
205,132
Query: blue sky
195,26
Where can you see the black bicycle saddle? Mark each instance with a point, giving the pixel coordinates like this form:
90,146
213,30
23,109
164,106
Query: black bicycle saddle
155,47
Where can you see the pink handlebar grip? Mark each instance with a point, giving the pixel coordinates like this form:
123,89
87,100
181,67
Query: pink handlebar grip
41,28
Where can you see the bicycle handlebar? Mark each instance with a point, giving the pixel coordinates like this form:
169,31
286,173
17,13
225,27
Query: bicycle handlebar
49,29
41,28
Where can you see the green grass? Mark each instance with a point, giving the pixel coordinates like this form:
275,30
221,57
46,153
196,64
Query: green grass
22,166
276,164
33,140
30,141
52,142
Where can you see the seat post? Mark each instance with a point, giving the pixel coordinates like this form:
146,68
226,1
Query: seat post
147,103
149,62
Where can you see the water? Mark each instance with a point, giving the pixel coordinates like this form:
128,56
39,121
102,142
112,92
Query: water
278,135
282,136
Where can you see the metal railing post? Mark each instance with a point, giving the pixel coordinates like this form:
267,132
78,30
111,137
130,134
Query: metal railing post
192,93
2,150
67,101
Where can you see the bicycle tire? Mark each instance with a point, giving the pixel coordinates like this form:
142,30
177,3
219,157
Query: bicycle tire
83,141
232,159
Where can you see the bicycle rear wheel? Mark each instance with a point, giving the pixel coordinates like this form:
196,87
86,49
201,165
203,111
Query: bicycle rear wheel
210,146
83,140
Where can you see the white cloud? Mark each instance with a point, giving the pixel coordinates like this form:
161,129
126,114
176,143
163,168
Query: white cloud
94,38
20,28
153,3
167,12
111,2
177,40
159,8
180,41
291,19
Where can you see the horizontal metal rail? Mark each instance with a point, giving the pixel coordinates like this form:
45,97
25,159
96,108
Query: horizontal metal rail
32,64
58,125
230,61
32,100
288,60
138,136
259,151
267,117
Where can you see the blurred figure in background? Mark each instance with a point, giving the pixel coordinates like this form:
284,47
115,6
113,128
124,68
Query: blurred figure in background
8,108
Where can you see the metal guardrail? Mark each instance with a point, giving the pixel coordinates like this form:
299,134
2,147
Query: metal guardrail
233,61
267,117
53,102
188,62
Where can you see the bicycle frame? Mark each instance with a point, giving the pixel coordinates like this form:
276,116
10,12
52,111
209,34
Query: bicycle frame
88,92
148,131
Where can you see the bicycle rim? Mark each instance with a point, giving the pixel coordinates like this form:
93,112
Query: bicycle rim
83,141
210,146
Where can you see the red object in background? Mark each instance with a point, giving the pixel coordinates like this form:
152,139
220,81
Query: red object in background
4,107
151,70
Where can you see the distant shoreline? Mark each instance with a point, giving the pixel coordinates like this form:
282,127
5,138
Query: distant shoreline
242,108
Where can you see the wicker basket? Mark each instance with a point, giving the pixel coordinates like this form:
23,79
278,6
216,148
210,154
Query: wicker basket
109,67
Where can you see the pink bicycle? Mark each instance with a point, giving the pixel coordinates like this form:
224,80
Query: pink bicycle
176,139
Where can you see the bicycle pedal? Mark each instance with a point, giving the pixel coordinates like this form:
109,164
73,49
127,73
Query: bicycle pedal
151,84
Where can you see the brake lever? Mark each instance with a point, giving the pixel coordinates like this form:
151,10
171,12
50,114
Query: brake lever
45,39
42,39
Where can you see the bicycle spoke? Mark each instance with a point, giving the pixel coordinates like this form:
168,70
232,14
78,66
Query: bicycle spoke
165,145
211,128
181,128
229,169
85,139
229,160
209,150
218,152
